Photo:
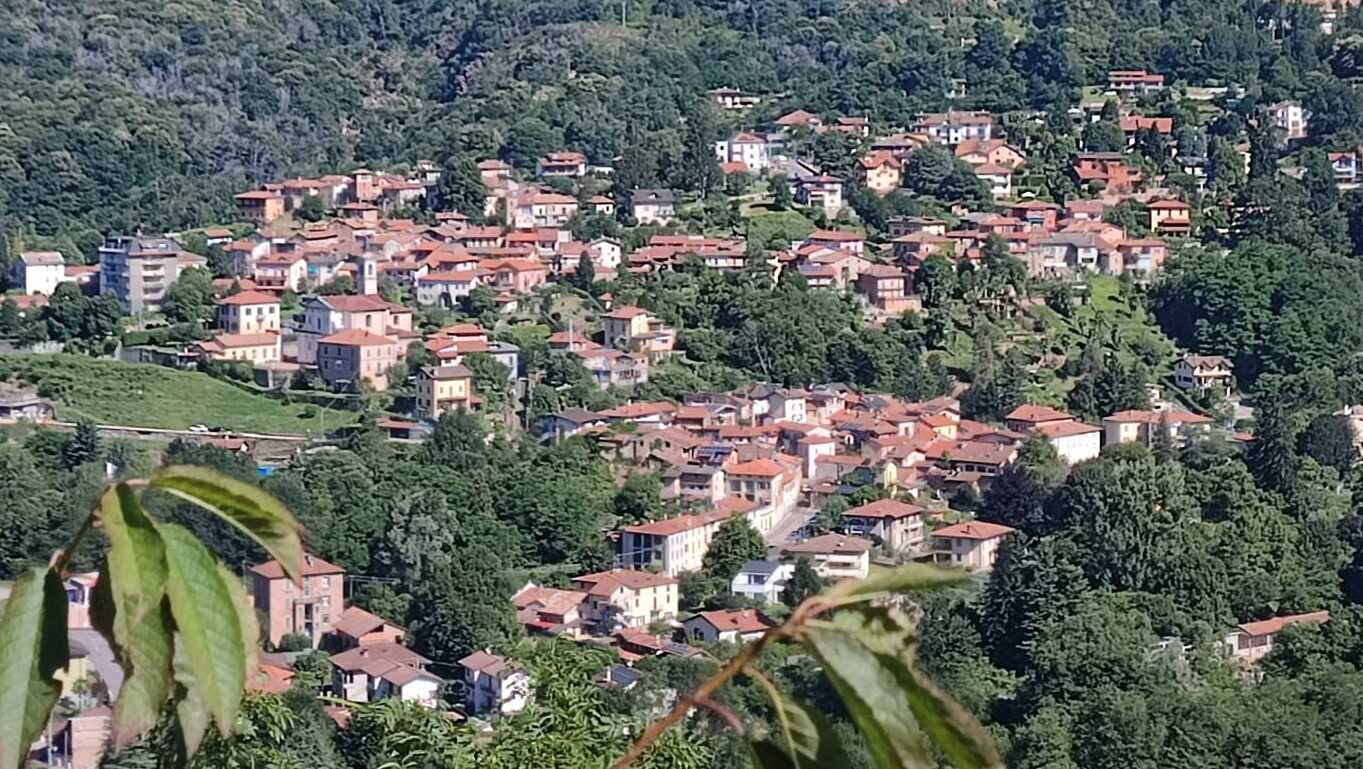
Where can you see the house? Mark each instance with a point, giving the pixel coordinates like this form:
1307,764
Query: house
353,356
1172,217
1134,82
1348,166
310,610
562,164
626,598
24,406
704,482
357,627
249,312
1106,169
885,287
762,580
379,671
653,207
446,287
549,611
973,545
443,389
493,686
821,191
282,272
954,126
999,178
1144,427
1290,118
1205,373
1250,642
747,148
765,482
672,545
733,99
39,272
261,206
518,276
1073,440
732,625
138,270
883,172
262,347
1066,253
634,329
543,209
569,422
799,119
1142,256
995,152
896,525
833,556
78,742
838,240
1133,125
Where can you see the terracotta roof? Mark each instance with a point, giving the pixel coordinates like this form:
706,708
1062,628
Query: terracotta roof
484,662
227,341
312,567
606,582
356,622
1031,412
355,303
355,337
973,530
838,236
1276,624
884,508
1065,429
764,468
636,410
1167,205
1155,417
249,297
550,599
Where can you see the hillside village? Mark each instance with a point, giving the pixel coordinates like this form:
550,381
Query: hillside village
549,306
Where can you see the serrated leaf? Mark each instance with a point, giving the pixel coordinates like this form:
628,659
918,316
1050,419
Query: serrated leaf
247,507
913,576
33,647
866,653
190,709
208,624
129,606
809,737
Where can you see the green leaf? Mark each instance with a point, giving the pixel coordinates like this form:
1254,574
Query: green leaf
209,625
129,608
246,618
913,576
866,653
247,507
190,709
33,647
810,740
768,755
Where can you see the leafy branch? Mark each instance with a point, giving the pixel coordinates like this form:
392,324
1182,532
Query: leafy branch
179,623
867,648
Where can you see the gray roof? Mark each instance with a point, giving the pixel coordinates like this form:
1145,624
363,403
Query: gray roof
760,567
651,196
579,416
41,258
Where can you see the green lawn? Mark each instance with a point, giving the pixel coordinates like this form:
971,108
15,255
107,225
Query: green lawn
788,225
143,395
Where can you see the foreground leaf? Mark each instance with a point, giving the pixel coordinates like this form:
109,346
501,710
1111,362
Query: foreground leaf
913,576
190,709
33,647
129,608
866,653
209,625
247,507
810,742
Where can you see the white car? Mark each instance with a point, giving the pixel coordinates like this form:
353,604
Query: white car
198,428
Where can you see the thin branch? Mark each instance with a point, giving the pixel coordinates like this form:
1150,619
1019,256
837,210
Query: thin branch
724,713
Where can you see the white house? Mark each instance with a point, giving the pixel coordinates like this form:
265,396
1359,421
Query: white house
653,206
762,580
1205,373
494,686
1075,441
1252,641
748,148
39,272
833,556
735,625
378,671
998,177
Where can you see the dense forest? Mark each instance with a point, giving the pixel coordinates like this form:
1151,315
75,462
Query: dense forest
125,113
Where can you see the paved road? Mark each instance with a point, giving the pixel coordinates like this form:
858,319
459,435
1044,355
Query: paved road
101,658
789,523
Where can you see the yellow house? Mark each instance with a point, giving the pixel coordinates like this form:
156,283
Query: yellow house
441,389
627,598
251,348
623,324
884,172
249,312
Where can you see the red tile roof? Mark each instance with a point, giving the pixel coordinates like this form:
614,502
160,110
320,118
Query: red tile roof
979,530
884,508
249,297
763,468
1276,624
355,337
312,567
738,620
